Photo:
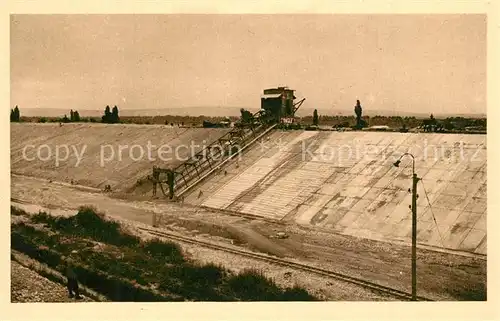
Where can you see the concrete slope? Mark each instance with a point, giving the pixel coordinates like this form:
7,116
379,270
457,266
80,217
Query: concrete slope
346,182
98,146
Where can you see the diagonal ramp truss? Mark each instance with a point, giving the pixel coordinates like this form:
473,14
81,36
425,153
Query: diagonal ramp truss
174,182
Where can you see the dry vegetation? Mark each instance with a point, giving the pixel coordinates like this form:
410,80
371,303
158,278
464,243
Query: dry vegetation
123,267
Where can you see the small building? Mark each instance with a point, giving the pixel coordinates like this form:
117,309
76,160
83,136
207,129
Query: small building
278,102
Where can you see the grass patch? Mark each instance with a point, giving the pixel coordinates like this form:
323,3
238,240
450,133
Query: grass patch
468,293
114,288
163,250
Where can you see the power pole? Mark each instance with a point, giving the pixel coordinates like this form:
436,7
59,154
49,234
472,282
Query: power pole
414,240
414,197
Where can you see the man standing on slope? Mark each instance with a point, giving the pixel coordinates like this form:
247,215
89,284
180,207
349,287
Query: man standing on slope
72,284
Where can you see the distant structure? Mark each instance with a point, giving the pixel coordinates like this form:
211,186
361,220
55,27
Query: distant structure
278,103
358,110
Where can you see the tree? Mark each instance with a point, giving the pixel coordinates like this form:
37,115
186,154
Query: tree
358,110
114,115
315,118
74,116
448,124
106,118
15,114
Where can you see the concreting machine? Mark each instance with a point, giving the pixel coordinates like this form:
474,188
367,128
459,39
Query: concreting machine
276,104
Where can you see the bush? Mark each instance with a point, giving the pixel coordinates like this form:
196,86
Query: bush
296,294
195,282
203,275
42,217
89,223
251,285
17,211
171,252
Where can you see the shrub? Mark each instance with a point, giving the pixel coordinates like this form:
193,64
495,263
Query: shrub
90,223
42,217
203,275
171,252
296,294
195,282
17,211
251,285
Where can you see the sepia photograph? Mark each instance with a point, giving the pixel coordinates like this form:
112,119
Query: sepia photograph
248,157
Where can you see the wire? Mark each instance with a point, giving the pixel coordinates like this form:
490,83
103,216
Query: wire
432,212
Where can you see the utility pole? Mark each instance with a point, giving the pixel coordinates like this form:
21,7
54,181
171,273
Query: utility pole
414,197
414,239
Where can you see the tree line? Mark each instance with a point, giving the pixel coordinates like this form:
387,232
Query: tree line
431,124
109,116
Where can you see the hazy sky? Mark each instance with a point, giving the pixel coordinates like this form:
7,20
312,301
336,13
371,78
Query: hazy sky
416,63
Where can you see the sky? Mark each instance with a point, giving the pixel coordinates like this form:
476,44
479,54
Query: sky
403,63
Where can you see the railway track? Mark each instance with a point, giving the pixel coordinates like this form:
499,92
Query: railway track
286,263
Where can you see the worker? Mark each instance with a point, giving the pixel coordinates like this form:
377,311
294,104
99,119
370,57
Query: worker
72,284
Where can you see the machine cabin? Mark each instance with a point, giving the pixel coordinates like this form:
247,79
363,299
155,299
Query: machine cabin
278,102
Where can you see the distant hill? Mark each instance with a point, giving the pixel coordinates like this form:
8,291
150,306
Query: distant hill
225,111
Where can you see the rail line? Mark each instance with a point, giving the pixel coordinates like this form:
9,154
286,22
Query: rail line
283,262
